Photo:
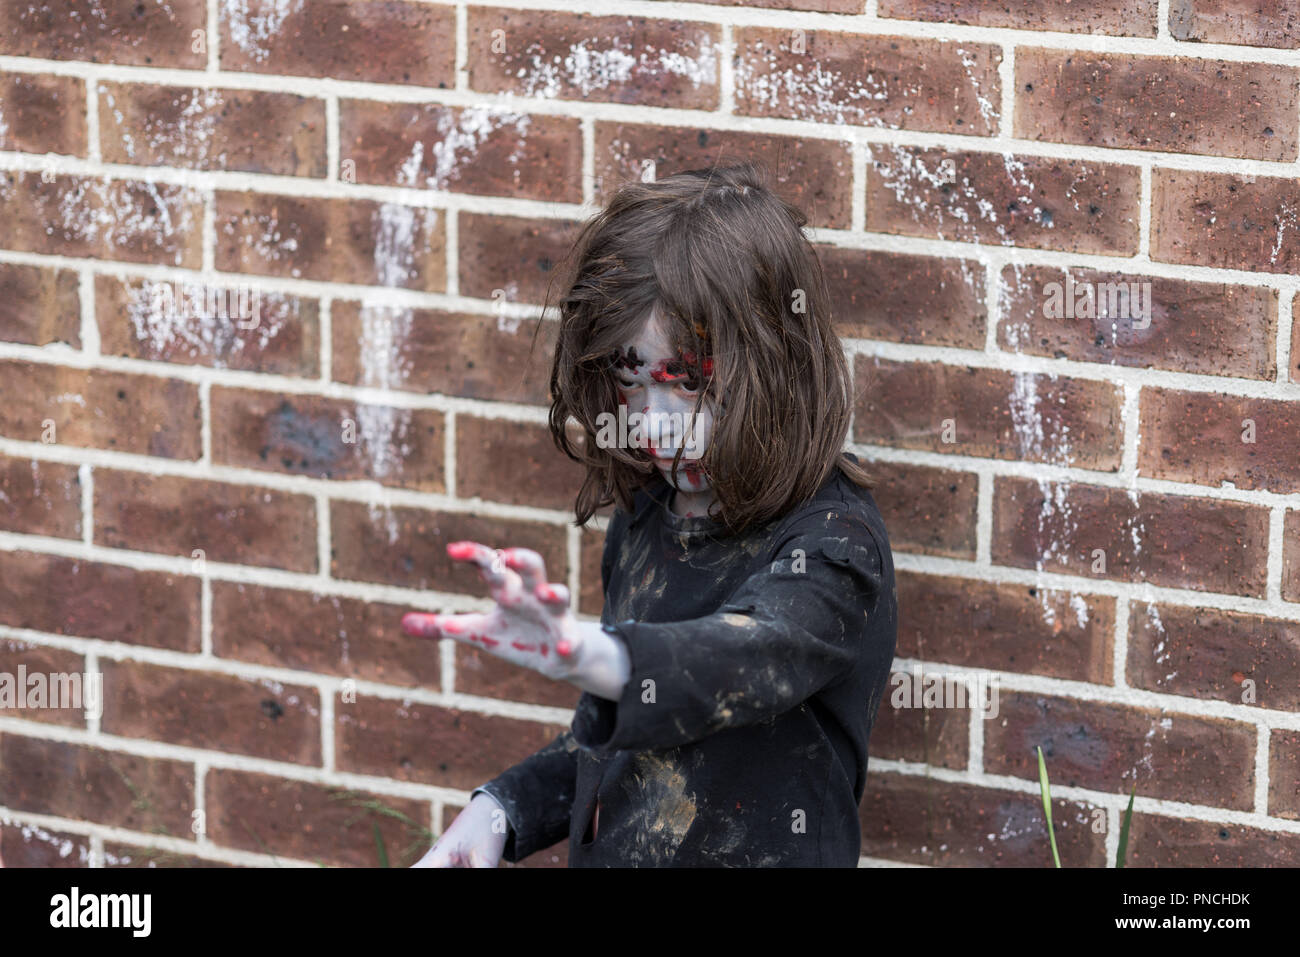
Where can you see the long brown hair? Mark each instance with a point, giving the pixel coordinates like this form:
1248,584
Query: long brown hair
726,264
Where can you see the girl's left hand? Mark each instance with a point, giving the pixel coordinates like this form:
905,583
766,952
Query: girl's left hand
532,624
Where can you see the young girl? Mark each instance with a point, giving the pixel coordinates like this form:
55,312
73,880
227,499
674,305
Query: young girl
750,610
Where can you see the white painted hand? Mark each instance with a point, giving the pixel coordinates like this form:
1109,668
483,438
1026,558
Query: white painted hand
475,839
532,624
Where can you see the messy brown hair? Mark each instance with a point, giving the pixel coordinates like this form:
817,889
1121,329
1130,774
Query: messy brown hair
726,264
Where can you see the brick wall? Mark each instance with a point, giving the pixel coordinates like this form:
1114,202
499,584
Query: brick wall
226,519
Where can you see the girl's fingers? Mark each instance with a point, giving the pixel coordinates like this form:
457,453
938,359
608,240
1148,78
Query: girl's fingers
554,598
529,565
421,625
470,629
503,583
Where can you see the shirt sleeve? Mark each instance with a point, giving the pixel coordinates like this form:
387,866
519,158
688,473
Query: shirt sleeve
796,626
537,796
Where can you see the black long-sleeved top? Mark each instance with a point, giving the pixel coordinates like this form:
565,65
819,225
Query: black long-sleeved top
758,662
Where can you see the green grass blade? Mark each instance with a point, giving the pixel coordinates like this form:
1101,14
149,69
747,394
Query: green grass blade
1123,829
379,845
1047,804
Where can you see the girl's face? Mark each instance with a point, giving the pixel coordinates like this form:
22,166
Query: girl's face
662,383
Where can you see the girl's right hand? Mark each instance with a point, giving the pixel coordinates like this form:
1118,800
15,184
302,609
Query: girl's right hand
476,838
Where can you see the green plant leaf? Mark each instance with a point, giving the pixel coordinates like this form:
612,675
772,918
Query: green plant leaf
379,844
1123,829
1047,804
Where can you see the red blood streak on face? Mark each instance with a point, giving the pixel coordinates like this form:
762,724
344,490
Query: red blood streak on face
705,365
545,649
487,642
461,550
521,646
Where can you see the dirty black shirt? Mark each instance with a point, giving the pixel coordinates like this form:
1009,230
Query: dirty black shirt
758,662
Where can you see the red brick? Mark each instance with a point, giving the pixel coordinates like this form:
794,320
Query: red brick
93,784
927,510
1201,437
1291,556
1014,628
304,631
91,408
1207,653
147,33
328,438
278,334
42,114
229,523
511,259
900,297
102,219
553,857
1224,220
251,131
40,498
408,546
921,820
1158,841
385,41
263,719
313,822
1135,18
331,240
1284,774
1106,747
482,150
513,462
1033,201
1257,23
432,745
39,305
1200,327
46,661
549,54
479,673
1170,104
865,80
30,845
1171,540
814,175
93,600
939,737
993,414
428,350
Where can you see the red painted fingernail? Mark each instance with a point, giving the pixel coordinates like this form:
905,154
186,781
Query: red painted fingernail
546,593
563,648
461,550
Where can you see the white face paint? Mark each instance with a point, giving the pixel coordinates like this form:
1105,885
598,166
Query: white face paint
663,384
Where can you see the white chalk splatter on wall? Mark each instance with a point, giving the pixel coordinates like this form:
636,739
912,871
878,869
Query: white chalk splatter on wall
590,67
254,22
